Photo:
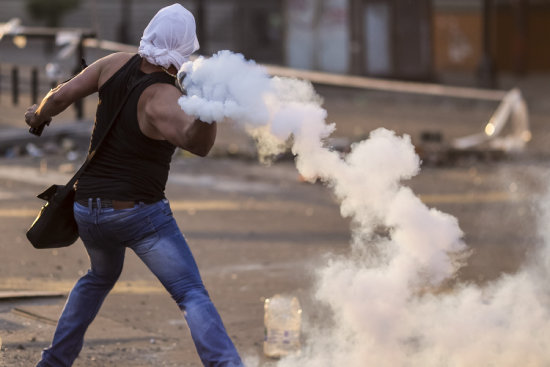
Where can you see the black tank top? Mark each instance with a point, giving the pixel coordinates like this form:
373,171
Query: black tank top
128,165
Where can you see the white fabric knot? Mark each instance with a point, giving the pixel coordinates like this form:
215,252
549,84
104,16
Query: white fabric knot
170,37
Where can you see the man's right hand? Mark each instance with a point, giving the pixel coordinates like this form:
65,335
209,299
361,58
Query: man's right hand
33,119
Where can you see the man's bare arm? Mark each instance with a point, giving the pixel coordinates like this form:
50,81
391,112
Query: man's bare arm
82,85
164,119
62,96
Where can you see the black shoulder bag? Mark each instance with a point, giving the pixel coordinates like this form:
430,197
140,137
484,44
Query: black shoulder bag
55,225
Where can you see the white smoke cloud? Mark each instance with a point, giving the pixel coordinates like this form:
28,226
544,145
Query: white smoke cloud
228,87
215,92
387,300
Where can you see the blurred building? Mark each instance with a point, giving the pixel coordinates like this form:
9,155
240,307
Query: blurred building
417,39
386,38
254,28
390,38
406,39
518,33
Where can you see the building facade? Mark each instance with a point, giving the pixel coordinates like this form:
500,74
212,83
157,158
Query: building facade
518,31
405,39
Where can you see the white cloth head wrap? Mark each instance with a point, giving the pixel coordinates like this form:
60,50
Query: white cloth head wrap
170,38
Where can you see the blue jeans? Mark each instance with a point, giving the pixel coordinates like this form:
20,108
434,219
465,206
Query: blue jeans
152,233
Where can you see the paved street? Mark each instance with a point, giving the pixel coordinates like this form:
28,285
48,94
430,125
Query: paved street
255,231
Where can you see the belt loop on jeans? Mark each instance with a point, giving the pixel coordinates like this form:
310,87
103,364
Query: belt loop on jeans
90,206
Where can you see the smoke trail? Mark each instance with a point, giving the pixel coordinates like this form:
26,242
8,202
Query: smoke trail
388,305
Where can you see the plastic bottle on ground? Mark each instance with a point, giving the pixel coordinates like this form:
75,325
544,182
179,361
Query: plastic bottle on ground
282,321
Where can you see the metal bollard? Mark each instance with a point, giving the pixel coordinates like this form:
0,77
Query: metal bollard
34,85
81,65
15,85
79,106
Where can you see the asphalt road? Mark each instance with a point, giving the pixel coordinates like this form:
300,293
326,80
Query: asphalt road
255,231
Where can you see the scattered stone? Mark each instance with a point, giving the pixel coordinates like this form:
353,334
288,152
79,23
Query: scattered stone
33,150
72,155
13,152
66,168
50,147
67,144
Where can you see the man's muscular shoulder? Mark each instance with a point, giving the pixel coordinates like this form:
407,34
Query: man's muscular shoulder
158,104
111,63
157,96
